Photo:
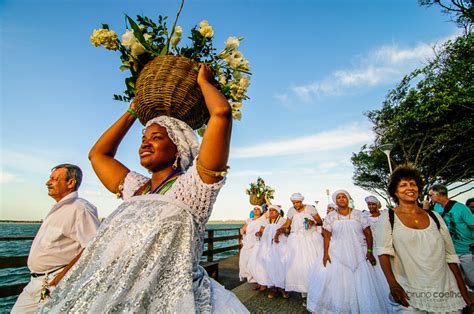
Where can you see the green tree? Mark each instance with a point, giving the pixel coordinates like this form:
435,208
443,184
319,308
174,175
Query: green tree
429,119
461,11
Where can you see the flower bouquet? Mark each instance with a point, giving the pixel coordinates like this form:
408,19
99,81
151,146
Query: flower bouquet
258,190
163,76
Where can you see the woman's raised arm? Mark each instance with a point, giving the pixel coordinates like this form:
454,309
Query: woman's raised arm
214,152
110,171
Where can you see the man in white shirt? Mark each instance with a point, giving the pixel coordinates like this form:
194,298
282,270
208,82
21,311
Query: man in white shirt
64,233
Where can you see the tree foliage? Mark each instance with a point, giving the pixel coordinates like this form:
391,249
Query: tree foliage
429,119
461,11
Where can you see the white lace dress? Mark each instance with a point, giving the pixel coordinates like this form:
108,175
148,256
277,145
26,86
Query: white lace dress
304,248
348,284
145,257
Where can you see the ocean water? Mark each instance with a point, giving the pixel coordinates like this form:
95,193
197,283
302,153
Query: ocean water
10,276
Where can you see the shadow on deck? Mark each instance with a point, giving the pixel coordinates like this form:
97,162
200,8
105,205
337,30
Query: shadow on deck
256,302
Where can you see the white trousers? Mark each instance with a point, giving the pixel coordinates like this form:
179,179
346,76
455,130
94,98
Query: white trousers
29,300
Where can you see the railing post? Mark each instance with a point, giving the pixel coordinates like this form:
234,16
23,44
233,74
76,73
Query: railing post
240,241
210,245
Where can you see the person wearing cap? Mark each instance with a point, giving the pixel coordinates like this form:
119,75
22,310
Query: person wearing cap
330,208
304,244
373,206
271,258
345,281
250,244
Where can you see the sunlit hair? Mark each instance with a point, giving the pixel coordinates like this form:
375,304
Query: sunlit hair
404,172
440,189
72,172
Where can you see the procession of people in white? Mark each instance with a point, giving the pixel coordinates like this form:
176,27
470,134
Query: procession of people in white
332,262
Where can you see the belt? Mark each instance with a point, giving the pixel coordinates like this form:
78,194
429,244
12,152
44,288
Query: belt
36,275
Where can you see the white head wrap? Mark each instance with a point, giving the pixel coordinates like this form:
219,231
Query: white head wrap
181,135
275,207
373,199
332,205
296,197
334,195
259,207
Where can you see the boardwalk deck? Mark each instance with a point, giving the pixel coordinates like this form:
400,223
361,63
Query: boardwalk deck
256,302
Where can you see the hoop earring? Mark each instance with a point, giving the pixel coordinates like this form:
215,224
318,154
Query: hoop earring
176,164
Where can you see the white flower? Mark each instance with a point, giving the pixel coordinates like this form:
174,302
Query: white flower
245,65
236,105
205,29
235,59
146,36
104,37
237,115
137,49
232,42
128,38
175,41
244,82
178,31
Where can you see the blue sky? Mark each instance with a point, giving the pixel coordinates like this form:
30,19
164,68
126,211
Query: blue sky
317,67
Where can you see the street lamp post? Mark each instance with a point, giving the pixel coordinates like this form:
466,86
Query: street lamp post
387,148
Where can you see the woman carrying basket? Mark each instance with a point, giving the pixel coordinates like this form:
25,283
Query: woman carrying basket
145,257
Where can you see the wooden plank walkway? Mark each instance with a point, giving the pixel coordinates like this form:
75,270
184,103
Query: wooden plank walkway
256,302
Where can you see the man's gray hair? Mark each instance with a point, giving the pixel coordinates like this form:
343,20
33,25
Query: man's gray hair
72,172
440,189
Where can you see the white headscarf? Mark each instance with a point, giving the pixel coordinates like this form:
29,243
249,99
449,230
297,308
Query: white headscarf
332,205
181,135
296,197
373,199
334,196
275,207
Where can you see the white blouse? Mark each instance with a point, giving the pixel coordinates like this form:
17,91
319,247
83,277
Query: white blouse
419,260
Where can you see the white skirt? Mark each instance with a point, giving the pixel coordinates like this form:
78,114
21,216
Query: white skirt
304,248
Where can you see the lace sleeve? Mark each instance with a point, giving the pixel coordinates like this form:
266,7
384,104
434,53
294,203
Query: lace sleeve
133,181
200,196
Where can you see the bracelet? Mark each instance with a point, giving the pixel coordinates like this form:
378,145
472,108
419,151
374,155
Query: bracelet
369,250
212,173
132,112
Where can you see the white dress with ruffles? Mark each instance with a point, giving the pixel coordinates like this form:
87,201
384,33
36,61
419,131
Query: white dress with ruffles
145,256
419,260
304,248
250,246
348,284
273,255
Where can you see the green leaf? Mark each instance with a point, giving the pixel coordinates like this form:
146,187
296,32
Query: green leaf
139,35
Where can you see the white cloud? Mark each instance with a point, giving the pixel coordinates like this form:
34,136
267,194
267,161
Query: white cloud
6,177
339,138
384,65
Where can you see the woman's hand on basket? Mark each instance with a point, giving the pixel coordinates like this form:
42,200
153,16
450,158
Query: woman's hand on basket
205,74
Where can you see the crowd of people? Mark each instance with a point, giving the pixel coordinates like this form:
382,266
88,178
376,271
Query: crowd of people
404,259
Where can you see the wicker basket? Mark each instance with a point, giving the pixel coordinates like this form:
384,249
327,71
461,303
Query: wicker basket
255,200
167,85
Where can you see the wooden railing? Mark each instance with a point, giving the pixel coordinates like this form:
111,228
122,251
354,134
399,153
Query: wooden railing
211,266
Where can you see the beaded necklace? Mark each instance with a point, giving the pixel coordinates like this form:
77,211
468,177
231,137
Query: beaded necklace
165,185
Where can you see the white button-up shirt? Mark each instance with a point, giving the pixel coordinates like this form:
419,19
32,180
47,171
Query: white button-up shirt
66,230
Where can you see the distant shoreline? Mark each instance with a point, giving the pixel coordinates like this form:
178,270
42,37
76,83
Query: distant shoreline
20,221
